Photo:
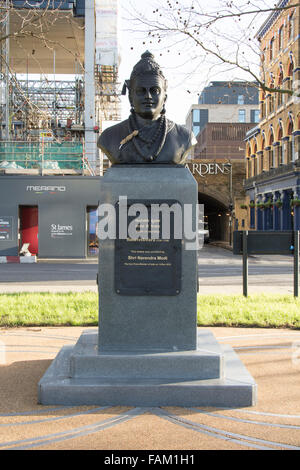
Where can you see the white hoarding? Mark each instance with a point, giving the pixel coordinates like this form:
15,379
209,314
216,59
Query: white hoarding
106,32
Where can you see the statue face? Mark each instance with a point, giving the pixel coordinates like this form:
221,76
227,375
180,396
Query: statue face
148,96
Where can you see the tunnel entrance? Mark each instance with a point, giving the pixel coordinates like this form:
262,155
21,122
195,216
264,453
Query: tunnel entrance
216,218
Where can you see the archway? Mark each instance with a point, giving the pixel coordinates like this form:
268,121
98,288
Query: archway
216,217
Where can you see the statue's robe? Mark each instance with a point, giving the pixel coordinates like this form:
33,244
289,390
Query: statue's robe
179,140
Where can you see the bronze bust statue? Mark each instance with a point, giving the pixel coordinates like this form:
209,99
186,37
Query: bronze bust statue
147,136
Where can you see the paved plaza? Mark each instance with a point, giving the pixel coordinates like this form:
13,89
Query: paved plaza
271,356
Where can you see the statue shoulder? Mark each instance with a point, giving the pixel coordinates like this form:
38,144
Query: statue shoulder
109,140
184,134
114,132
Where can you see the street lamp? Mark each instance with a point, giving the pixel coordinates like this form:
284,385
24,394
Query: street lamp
230,206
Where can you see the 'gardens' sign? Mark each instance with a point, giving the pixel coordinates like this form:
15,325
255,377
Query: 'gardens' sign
204,169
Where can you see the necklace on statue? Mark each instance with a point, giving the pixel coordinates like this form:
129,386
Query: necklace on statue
152,138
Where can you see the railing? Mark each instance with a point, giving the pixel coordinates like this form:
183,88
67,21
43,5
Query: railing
288,167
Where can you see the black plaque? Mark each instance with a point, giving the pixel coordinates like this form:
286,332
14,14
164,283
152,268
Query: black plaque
148,266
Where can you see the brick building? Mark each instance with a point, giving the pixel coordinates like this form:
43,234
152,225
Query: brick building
273,146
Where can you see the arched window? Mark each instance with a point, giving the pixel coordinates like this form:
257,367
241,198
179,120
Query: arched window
290,72
280,38
262,104
280,153
291,26
271,96
249,172
272,47
279,85
255,160
271,150
291,141
263,144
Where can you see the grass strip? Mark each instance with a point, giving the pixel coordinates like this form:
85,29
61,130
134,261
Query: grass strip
81,309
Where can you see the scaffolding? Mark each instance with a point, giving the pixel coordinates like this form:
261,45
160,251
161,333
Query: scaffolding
108,92
45,104
47,109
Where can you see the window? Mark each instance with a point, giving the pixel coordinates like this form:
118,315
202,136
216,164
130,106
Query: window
271,103
280,155
271,48
196,130
249,168
262,162
291,25
241,99
196,115
242,115
280,38
263,109
254,115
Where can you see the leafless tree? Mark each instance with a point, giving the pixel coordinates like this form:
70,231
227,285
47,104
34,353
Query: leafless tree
219,35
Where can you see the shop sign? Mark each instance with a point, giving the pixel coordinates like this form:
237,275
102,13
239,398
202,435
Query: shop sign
6,228
59,231
204,169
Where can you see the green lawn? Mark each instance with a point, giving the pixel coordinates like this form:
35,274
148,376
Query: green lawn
81,309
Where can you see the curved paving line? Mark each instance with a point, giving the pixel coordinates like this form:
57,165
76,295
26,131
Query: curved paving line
262,413
73,433
248,421
55,418
265,413
259,335
41,335
33,412
43,346
240,439
264,347
31,351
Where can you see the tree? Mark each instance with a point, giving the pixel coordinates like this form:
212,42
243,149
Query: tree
220,34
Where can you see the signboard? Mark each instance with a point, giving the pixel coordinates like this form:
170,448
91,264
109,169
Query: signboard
148,266
46,136
205,169
61,231
6,228
106,32
267,242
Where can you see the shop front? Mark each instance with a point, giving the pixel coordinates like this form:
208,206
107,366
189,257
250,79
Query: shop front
55,215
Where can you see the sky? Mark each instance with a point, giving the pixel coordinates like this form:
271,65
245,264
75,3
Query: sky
187,72
187,68
131,49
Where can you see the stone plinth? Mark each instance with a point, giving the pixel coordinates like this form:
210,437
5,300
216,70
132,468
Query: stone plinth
211,375
147,351
148,322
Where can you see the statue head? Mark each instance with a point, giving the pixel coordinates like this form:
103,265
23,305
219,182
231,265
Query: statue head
147,88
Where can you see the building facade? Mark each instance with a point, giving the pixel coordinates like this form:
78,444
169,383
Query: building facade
222,140
224,102
50,167
273,147
220,120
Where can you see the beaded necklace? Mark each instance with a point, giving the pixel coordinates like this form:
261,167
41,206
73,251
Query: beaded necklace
156,140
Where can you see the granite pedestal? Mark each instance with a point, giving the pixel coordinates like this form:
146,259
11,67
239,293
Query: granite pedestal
147,351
